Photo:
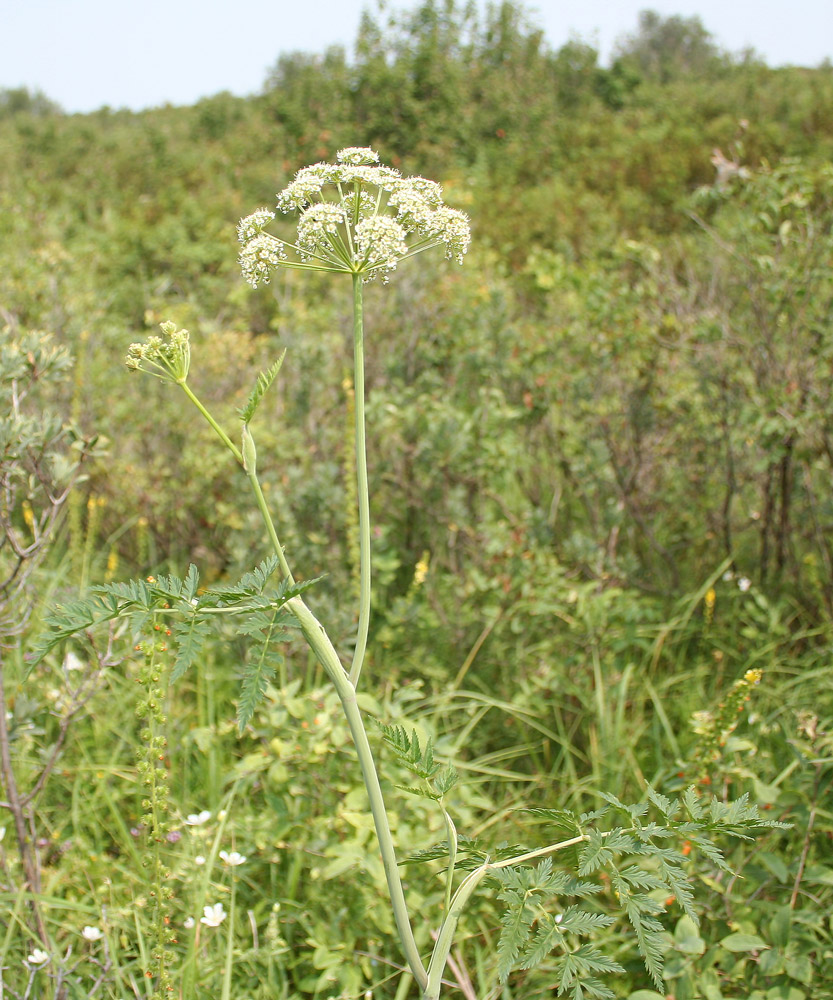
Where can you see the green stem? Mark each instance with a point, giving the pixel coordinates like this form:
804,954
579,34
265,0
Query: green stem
327,656
270,527
445,937
220,432
361,476
253,480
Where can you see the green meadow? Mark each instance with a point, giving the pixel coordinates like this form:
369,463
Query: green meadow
459,630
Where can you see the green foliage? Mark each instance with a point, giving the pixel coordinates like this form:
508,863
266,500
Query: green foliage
600,476
633,860
264,380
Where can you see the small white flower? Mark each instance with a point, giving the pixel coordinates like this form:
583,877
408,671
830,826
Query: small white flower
232,859
357,155
197,819
189,923
259,257
92,933
253,224
744,583
728,576
199,860
317,222
380,241
72,662
214,915
37,957
559,917
2,833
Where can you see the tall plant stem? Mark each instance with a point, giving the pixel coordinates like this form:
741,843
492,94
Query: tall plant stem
361,477
327,656
253,481
270,527
218,429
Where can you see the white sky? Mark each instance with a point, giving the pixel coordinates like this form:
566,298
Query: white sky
123,53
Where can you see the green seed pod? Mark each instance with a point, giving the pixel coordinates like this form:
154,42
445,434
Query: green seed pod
249,452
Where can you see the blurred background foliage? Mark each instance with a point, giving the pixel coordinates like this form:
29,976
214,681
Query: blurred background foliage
600,452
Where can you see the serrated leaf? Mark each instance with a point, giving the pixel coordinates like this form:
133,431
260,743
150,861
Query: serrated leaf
579,921
421,792
668,808
191,583
445,779
264,380
516,926
190,638
648,936
692,803
561,819
260,669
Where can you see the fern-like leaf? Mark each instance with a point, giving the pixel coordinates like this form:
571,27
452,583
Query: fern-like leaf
406,747
640,910
264,380
190,638
260,670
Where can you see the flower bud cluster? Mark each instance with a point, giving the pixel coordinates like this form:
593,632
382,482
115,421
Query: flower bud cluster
168,358
356,217
715,727
152,770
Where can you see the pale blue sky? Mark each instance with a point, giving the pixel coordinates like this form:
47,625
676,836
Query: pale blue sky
88,53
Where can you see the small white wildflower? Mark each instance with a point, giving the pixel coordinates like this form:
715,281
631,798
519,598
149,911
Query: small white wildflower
72,662
452,228
197,819
317,223
221,815
744,583
306,186
37,957
232,859
253,224
214,915
380,242
188,923
199,860
2,833
357,155
259,257
728,576
92,933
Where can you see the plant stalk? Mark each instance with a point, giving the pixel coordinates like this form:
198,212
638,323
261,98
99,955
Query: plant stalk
361,477
322,647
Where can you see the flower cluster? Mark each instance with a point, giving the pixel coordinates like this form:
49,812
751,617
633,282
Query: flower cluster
356,217
715,727
168,358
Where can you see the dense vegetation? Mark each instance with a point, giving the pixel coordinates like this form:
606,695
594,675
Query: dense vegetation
600,457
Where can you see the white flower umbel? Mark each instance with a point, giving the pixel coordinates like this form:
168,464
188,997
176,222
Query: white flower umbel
357,217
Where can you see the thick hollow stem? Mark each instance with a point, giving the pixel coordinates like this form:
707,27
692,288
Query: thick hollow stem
327,656
361,477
